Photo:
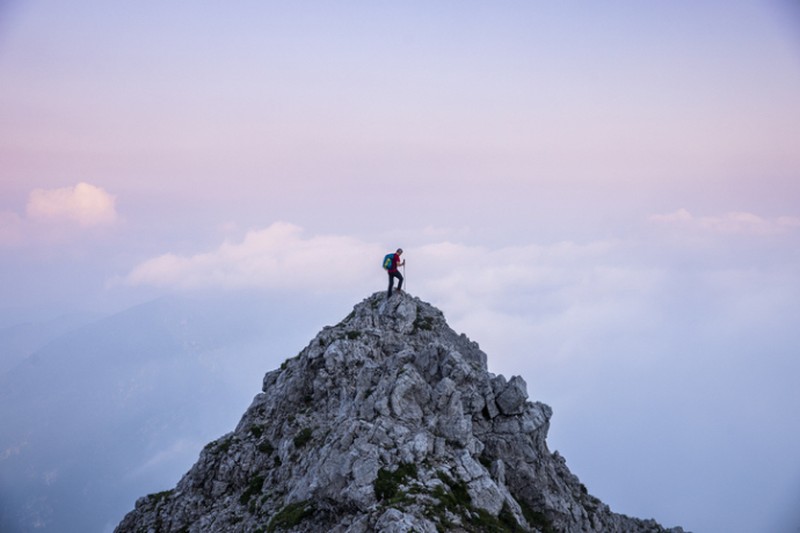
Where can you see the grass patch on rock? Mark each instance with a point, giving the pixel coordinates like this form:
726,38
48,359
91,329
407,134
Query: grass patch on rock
158,497
291,515
302,438
387,484
253,488
423,323
536,518
266,447
455,504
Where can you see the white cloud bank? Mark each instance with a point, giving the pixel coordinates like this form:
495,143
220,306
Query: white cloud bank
53,215
83,203
501,294
737,222
567,290
565,298
277,257
281,256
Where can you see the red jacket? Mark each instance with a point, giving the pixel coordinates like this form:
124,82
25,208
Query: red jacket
395,261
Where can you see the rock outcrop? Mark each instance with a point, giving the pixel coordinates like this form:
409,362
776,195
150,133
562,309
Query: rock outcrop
388,421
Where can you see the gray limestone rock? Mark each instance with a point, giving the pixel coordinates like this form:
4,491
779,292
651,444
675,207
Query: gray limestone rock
512,396
388,421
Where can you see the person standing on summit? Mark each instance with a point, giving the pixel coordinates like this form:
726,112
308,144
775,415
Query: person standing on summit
394,273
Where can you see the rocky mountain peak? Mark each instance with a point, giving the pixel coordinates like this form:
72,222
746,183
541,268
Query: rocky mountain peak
388,421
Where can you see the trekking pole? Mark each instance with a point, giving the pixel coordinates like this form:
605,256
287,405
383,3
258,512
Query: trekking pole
405,280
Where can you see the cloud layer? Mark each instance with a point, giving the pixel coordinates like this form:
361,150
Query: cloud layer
277,257
53,215
83,203
734,223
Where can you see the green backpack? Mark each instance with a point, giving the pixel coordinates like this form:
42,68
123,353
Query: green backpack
387,261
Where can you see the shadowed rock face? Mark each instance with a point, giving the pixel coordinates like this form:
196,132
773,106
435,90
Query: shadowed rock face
388,421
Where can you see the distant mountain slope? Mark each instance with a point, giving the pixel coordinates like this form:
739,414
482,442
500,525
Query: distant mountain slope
122,406
20,340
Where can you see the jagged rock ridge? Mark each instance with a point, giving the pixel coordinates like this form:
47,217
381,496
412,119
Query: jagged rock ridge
388,421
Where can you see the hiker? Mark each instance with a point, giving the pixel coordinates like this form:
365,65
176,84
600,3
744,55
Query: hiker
394,273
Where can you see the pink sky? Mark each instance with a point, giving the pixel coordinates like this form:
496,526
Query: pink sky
212,105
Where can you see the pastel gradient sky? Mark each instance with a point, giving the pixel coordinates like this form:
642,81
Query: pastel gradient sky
604,195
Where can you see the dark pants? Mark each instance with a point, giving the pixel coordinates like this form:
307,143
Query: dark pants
393,275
